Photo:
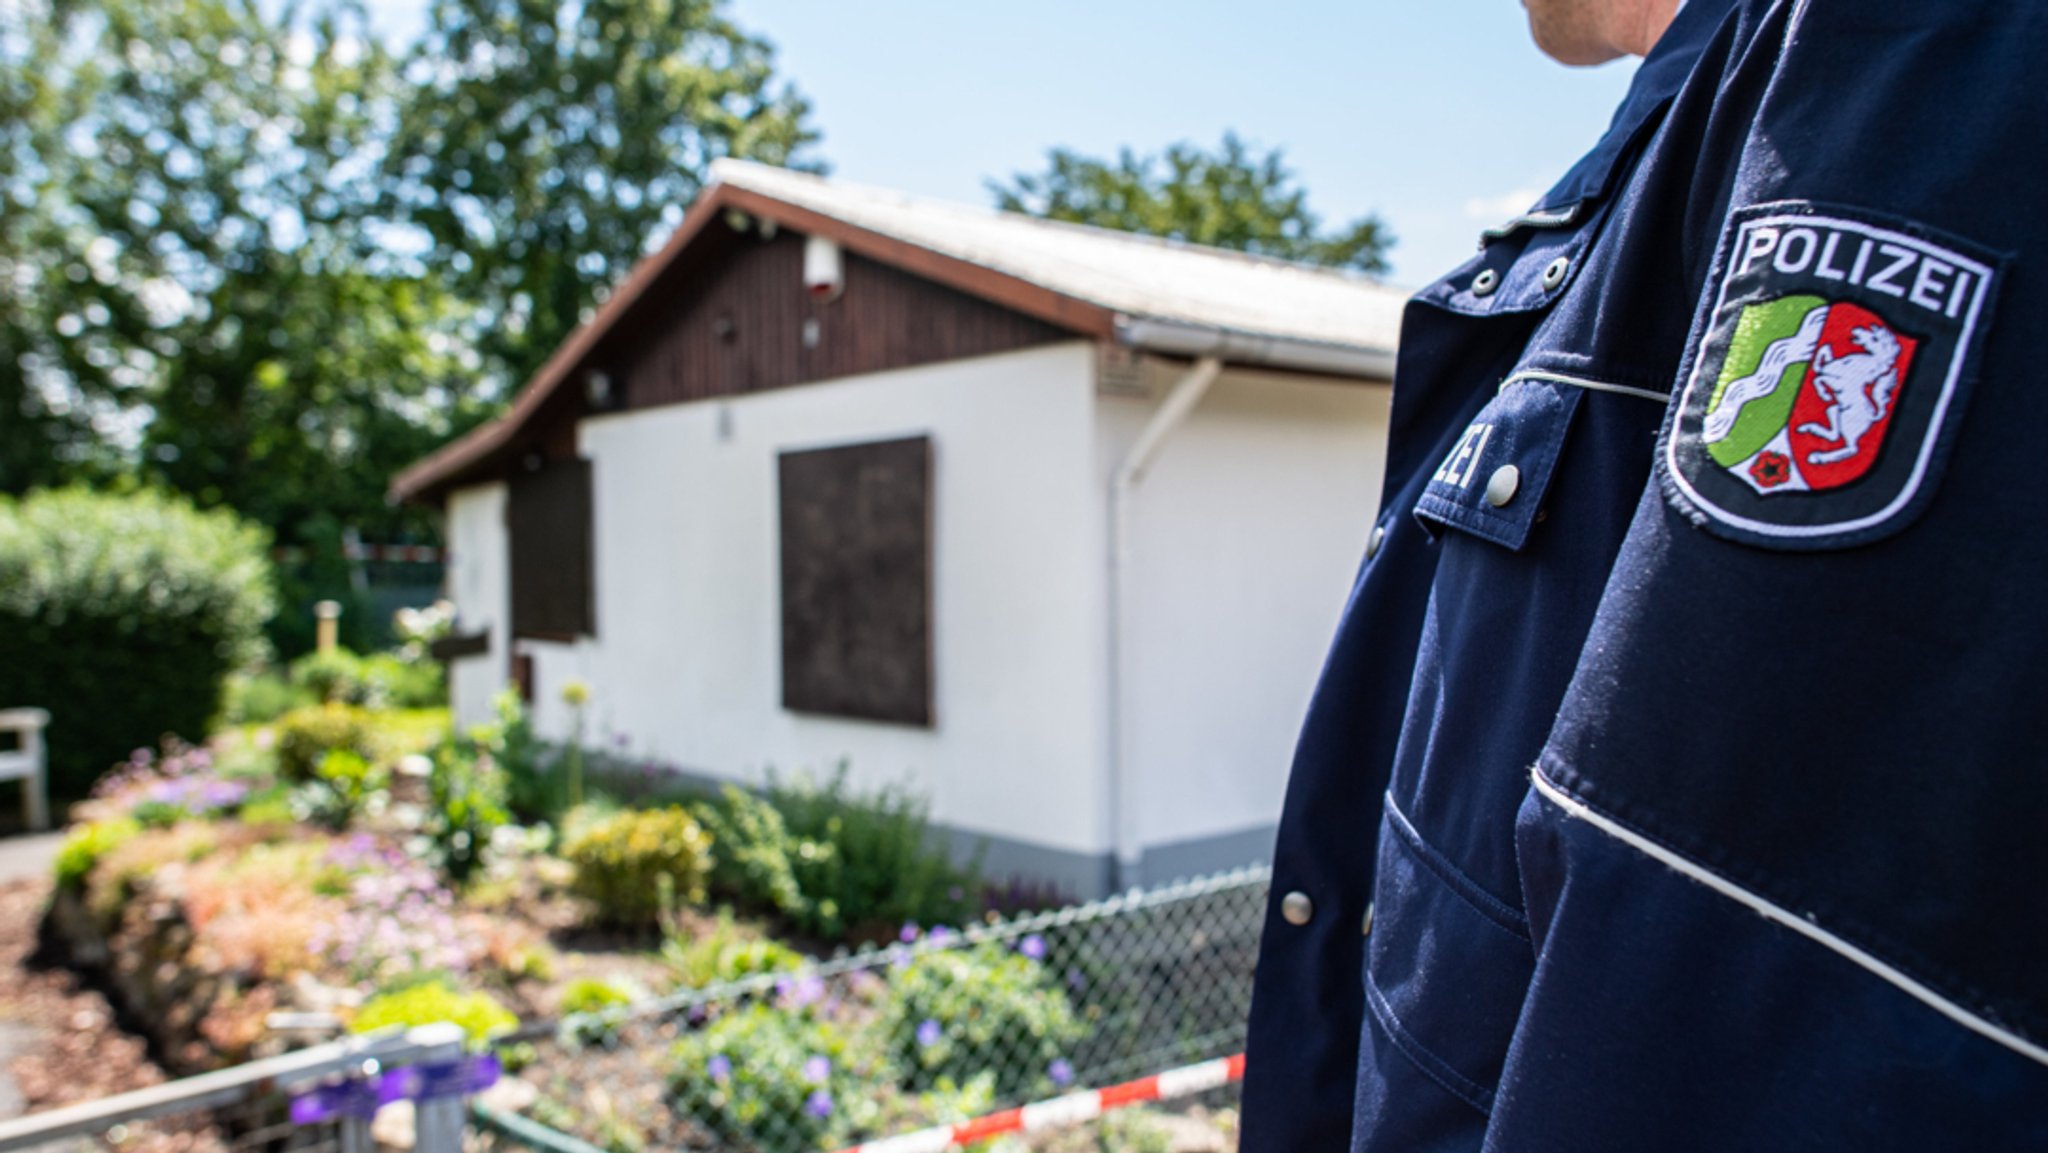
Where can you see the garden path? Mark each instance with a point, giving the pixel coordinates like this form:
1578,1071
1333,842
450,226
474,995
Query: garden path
28,858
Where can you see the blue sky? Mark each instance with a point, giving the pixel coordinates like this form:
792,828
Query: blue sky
1437,114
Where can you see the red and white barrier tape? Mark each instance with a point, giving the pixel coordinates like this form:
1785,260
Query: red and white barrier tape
1072,1109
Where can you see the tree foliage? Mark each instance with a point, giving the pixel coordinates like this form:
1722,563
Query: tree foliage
248,254
1231,198
207,281
545,148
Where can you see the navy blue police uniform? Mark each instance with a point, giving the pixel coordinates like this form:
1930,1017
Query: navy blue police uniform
1678,777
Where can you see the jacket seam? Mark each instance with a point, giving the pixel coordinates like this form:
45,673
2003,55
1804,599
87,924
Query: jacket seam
1419,1055
1495,911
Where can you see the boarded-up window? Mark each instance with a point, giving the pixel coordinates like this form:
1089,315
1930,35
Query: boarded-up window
548,523
856,581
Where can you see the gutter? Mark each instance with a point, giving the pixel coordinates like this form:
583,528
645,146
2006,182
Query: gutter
1121,793
1175,338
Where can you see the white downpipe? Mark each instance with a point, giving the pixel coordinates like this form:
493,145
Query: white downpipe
1122,786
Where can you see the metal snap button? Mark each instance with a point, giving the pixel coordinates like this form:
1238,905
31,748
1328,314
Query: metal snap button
1484,283
1554,275
1373,542
1368,918
1500,488
1296,908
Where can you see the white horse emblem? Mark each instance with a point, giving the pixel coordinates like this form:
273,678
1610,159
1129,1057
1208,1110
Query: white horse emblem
1858,389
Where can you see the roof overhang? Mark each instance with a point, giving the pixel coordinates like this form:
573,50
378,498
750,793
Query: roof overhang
1174,338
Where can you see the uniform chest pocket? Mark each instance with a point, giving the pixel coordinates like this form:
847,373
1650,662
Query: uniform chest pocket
1493,482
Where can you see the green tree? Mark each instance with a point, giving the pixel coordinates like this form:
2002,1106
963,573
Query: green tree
545,147
203,294
1229,198
46,429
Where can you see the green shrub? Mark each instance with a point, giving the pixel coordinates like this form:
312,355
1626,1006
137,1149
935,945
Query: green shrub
535,791
757,854
305,737
766,1070
269,806
396,682
86,845
377,681
960,1013
724,954
334,677
122,614
466,804
883,868
594,1008
630,863
590,995
344,787
259,698
479,1014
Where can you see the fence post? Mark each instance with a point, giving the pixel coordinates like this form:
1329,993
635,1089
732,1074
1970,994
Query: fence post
326,626
437,1121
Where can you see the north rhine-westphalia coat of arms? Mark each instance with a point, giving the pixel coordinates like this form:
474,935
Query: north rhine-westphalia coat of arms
1817,404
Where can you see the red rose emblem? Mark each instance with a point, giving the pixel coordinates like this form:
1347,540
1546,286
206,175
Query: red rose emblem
1771,469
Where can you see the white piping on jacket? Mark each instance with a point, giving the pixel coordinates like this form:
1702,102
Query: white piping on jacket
1802,925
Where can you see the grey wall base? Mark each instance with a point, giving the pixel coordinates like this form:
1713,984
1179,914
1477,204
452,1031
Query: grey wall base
1091,875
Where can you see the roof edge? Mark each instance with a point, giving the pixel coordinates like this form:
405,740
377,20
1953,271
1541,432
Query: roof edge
1178,338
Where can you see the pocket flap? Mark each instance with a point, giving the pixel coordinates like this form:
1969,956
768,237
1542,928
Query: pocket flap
1492,483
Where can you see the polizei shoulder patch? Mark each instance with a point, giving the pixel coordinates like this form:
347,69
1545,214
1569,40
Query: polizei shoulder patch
1819,403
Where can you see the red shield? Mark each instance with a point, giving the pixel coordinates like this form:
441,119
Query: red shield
1852,388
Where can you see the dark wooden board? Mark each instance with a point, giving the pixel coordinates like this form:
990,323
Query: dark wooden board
856,538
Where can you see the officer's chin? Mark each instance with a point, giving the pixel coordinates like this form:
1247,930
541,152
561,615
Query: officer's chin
1565,31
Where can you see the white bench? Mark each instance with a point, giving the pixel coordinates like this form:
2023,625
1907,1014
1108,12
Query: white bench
25,762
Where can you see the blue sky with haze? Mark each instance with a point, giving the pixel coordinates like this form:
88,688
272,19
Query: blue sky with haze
1437,114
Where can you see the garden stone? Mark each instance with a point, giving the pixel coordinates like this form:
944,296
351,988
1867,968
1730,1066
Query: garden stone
396,1126
509,1095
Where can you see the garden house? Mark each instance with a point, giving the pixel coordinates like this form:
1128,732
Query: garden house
1050,523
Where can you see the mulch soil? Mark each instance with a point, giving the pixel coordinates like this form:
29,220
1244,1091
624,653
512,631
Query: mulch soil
62,1041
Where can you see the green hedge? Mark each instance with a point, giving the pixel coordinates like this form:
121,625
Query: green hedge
121,614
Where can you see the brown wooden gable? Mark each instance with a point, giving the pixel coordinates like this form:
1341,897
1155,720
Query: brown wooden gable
730,318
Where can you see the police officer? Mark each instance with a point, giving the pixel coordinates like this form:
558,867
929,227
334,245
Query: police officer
1678,777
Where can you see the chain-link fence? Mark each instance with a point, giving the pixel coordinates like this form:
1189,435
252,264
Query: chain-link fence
941,1027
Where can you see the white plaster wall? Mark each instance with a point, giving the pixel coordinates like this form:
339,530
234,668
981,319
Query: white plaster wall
685,666
1245,536
477,583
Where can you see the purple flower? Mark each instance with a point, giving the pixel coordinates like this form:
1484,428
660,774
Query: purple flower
928,1033
809,990
940,936
908,933
1032,947
720,1067
817,1070
1061,1071
819,1104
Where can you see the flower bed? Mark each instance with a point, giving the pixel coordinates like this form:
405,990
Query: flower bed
350,867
